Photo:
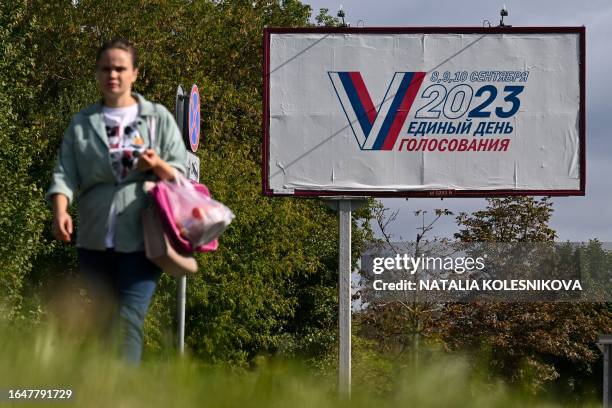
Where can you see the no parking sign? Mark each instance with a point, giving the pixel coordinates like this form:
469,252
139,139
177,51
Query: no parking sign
194,118
187,113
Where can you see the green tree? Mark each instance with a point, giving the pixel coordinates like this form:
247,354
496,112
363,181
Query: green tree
271,288
22,213
399,326
324,19
596,262
510,219
537,345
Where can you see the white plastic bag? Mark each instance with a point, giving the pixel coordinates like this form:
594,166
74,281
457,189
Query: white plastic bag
199,218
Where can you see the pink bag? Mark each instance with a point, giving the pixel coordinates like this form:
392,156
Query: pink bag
191,219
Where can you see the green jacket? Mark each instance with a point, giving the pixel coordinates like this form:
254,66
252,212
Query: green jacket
83,172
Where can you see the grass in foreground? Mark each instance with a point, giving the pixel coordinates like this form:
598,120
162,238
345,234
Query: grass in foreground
43,360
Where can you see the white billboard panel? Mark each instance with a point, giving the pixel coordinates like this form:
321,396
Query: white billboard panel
424,112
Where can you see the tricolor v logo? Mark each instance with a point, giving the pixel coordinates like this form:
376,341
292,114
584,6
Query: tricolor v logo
376,130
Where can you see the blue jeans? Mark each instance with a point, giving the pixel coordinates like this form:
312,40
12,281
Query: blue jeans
120,286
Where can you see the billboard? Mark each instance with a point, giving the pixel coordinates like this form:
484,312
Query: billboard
431,112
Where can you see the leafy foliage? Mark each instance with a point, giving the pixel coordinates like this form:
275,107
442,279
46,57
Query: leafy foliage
401,326
510,219
271,288
542,346
22,213
324,19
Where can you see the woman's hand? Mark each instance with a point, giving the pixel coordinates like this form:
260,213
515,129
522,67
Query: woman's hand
62,221
62,226
149,160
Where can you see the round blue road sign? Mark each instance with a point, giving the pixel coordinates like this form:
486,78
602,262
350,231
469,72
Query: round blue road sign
194,118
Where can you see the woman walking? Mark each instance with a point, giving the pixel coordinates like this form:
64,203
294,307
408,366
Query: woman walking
106,155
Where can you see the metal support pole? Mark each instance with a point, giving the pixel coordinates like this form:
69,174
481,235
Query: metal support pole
344,205
604,342
607,377
344,297
181,295
180,111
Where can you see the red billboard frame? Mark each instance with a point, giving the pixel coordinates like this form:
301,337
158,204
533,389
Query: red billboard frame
581,31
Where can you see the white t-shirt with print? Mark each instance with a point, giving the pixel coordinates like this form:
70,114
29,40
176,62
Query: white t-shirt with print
123,140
